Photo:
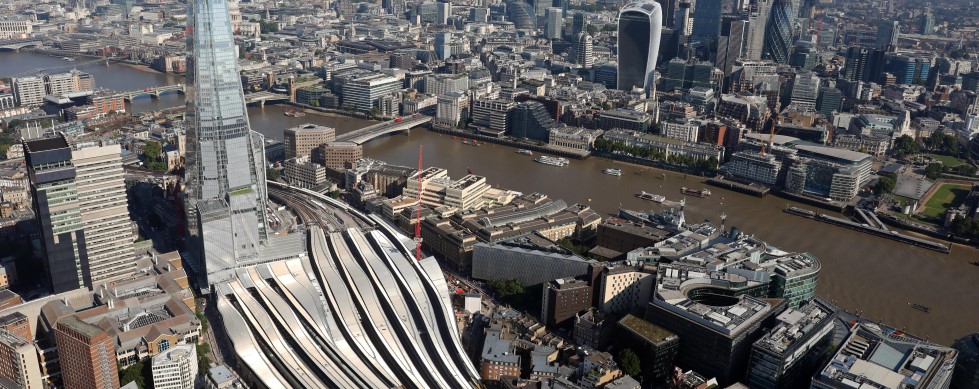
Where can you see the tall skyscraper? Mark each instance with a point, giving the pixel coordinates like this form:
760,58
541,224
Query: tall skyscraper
226,193
640,25
757,20
555,20
83,215
682,17
444,12
577,23
443,45
927,23
668,7
730,43
87,354
778,32
706,20
887,34
583,50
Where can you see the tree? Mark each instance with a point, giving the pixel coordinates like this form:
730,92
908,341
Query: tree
884,185
934,170
272,174
629,362
141,372
591,29
905,145
203,361
507,288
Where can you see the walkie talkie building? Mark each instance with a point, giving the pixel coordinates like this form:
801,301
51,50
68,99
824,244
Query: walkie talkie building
640,27
225,177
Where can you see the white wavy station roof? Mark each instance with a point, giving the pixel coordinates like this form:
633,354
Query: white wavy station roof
360,312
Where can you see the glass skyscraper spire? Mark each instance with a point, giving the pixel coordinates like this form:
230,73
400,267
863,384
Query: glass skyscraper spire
225,175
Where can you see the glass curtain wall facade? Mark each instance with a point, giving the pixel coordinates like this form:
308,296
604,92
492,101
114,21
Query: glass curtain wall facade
640,25
226,193
778,32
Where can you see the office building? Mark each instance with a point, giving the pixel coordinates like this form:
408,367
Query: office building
443,45
444,10
757,31
15,27
724,331
530,267
521,14
29,91
84,222
626,119
730,43
926,22
888,33
91,352
363,93
625,287
706,20
793,350
594,329
683,19
684,130
19,367
656,347
578,23
452,108
830,101
530,120
492,115
440,84
583,50
805,91
907,70
873,357
55,195
778,32
555,23
640,25
337,155
300,141
303,173
16,323
967,364
104,210
221,377
226,192
755,167
175,368
681,74
564,298
804,55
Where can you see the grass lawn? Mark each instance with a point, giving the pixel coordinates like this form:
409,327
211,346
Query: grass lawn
948,196
946,160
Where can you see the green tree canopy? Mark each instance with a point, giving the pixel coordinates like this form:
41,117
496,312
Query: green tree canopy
507,288
934,170
885,185
629,362
905,145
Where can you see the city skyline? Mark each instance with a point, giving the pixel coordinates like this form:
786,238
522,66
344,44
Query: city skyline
650,194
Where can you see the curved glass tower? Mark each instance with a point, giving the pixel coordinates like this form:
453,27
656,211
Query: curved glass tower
225,176
778,32
640,27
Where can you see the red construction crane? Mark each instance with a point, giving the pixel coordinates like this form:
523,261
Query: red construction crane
418,210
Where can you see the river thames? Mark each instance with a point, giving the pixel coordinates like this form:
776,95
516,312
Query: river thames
875,277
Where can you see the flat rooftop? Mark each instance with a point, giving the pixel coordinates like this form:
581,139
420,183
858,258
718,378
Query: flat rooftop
46,144
645,329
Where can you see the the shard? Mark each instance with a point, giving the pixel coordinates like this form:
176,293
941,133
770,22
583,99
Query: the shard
225,190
